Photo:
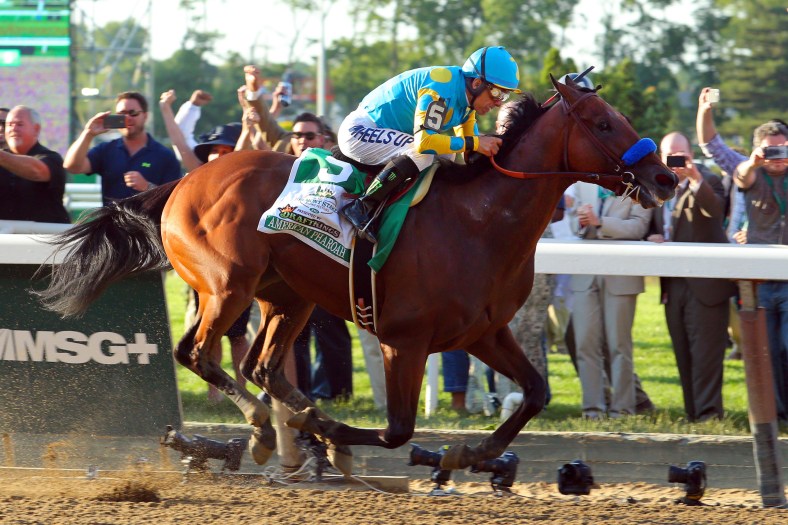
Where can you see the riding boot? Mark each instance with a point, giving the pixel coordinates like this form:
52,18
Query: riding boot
361,211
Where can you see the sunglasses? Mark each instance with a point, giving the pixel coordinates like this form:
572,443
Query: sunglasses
131,113
497,93
308,135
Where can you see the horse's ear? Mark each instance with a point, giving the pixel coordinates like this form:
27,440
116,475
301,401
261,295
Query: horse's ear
566,90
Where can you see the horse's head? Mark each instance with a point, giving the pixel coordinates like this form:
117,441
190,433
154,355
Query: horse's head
601,140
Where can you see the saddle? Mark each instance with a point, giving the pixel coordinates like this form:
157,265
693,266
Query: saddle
371,170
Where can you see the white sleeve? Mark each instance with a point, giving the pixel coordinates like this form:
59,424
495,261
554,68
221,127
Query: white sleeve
186,118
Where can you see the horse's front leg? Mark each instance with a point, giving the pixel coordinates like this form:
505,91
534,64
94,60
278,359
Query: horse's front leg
502,353
404,374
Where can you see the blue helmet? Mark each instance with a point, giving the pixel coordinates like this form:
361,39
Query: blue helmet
494,65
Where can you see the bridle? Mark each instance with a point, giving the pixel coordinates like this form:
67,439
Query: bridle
620,172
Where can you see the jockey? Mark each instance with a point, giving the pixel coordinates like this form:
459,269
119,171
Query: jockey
401,121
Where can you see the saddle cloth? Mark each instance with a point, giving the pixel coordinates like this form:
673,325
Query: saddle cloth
318,187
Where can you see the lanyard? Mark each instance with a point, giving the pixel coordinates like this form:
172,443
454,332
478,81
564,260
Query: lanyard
779,198
602,194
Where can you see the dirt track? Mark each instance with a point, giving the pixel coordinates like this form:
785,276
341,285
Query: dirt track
42,497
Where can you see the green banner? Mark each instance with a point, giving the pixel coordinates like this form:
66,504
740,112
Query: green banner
110,372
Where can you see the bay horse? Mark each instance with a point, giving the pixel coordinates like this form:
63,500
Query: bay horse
463,265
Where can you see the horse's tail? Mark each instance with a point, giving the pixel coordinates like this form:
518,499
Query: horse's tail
106,245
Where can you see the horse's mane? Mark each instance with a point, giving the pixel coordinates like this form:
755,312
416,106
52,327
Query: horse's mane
520,116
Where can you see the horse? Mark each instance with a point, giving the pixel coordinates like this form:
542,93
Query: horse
461,268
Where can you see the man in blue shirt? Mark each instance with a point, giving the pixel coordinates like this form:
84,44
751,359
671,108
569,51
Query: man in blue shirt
401,122
133,163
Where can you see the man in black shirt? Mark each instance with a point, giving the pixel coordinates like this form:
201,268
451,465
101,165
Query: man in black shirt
32,178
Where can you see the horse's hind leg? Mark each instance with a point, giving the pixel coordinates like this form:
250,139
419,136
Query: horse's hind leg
504,355
203,341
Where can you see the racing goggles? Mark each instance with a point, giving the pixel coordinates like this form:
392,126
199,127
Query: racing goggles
501,95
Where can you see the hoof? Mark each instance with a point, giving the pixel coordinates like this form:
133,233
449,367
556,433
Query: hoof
303,421
457,457
263,443
342,458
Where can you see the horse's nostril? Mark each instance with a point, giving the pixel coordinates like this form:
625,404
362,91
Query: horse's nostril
665,180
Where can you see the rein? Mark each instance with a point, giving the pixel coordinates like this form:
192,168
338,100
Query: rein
574,175
631,156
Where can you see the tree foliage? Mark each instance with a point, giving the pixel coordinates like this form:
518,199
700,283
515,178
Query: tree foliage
655,55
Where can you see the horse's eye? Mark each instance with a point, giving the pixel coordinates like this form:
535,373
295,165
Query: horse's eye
603,125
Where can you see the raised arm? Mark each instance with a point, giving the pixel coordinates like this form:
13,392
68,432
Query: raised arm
178,139
253,82
76,160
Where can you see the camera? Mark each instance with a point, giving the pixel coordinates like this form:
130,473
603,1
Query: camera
714,96
200,449
286,96
421,456
503,470
575,479
694,479
775,152
677,161
115,121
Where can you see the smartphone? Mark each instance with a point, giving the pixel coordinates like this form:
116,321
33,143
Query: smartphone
115,121
677,161
775,152
714,96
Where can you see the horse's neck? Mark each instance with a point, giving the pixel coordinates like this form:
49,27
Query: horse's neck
524,204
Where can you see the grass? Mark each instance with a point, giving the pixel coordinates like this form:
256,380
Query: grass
654,362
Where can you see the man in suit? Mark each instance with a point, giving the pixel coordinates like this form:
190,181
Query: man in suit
696,310
604,306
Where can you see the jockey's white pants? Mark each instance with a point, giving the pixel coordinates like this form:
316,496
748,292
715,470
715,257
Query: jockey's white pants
362,140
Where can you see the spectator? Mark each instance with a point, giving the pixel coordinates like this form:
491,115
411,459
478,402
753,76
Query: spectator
277,137
332,376
3,115
456,364
133,163
401,121
696,310
764,183
32,180
604,306
727,159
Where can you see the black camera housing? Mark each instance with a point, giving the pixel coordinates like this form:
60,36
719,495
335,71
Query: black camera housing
421,456
694,479
115,121
503,469
200,449
676,161
575,478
